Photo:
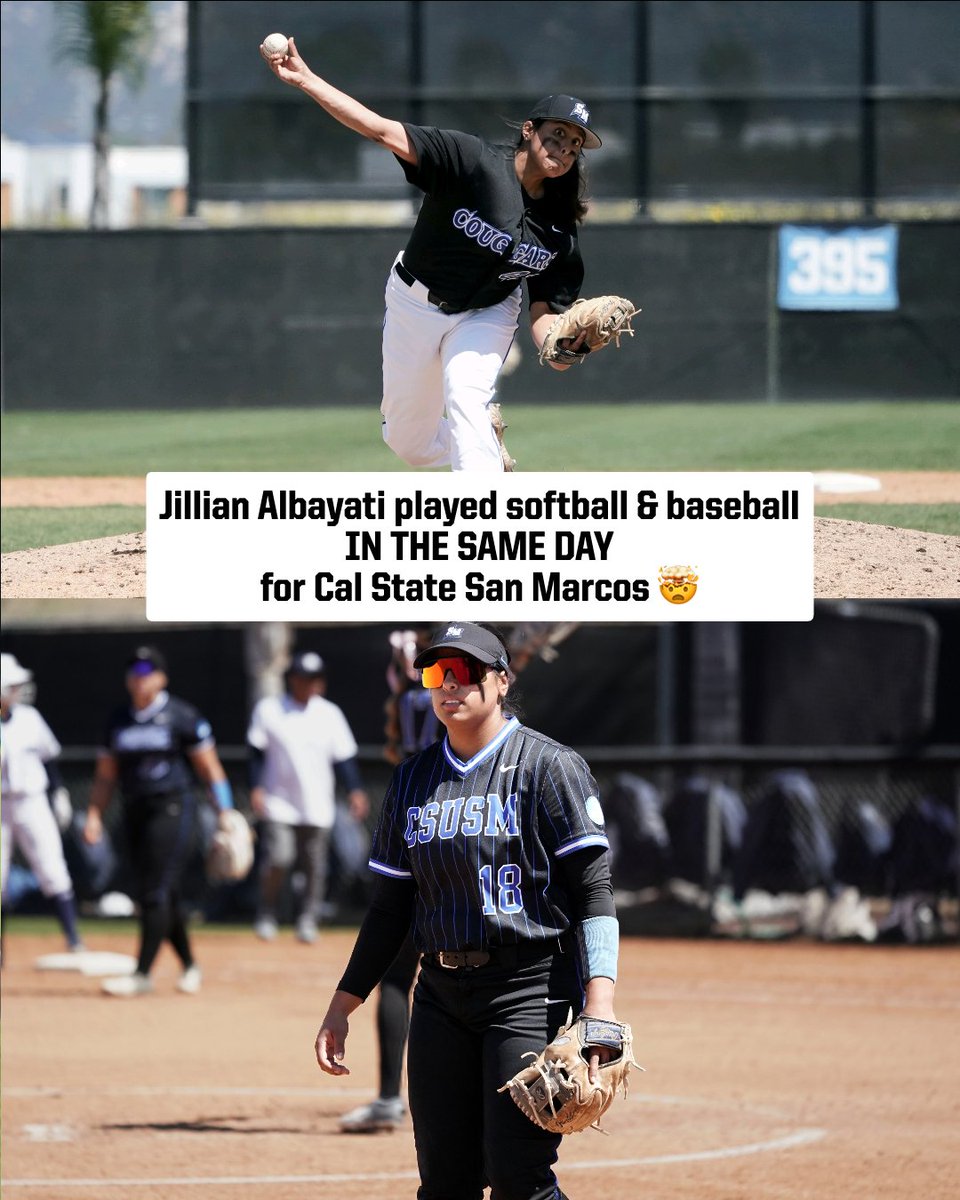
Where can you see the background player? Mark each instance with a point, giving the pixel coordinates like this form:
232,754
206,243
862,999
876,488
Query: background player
28,749
492,842
411,725
300,747
493,215
152,748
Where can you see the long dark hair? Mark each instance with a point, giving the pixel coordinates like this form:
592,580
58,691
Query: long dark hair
567,195
510,705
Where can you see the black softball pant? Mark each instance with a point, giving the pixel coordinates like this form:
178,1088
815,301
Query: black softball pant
470,1027
393,1016
161,836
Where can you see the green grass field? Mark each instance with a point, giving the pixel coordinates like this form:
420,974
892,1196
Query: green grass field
860,437
27,528
930,518
598,437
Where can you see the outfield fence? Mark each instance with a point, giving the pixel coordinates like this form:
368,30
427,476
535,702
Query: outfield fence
257,317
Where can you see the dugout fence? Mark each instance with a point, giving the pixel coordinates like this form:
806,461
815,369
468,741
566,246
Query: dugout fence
685,794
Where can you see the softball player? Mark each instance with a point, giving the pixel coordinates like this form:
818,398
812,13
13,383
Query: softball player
300,747
411,726
493,215
492,842
27,769
152,748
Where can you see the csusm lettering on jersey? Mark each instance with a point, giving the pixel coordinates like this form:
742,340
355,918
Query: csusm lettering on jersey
470,816
136,738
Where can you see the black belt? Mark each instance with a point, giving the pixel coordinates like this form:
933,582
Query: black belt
434,299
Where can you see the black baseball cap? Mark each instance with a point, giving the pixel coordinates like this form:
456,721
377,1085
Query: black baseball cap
146,659
474,640
307,663
569,109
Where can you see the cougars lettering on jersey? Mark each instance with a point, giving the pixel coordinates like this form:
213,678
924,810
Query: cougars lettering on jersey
478,234
479,837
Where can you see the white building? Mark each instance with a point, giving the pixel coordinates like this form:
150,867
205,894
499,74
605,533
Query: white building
52,186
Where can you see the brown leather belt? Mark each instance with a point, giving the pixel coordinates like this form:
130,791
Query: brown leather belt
410,279
496,956
453,959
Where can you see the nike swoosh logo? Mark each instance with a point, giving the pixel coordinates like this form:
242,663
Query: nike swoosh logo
513,768
555,229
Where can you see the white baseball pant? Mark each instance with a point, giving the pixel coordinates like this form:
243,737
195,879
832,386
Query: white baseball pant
29,823
439,376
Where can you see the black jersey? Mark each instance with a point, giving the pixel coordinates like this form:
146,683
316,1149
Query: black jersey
417,722
478,233
150,746
479,838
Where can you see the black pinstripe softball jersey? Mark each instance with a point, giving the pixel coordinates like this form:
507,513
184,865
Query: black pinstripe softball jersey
479,838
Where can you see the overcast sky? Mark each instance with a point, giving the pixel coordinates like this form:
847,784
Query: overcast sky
45,100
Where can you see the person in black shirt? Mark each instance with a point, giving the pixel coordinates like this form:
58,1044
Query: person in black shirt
411,726
492,216
492,843
153,748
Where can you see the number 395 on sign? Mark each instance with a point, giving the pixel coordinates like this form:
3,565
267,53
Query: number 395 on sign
838,269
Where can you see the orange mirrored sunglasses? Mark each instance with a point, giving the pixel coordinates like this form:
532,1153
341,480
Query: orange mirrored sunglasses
465,670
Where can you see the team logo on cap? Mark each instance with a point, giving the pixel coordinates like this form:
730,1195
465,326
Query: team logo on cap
580,110
453,631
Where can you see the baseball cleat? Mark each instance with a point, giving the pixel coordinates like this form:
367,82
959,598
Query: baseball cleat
190,981
127,985
306,930
496,420
265,929
380,1116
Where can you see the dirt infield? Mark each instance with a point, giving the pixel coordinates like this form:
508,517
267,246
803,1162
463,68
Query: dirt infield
776,1071
851,560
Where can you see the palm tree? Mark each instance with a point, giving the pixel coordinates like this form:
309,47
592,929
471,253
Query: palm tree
110,37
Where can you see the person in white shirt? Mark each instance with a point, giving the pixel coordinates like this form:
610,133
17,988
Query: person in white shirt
28,749
301,747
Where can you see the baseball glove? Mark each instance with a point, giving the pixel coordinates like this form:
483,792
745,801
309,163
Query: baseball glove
555,1091
230,856
602,320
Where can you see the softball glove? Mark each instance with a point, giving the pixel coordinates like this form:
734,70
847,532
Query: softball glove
230,856
603,319
555,1091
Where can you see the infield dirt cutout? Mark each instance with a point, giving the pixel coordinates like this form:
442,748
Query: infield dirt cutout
851,559
781,1071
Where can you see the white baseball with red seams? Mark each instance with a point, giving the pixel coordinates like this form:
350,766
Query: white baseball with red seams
275,43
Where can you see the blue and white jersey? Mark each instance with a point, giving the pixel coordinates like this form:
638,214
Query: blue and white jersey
479,838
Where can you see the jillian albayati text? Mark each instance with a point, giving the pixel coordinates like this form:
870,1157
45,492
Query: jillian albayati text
196,504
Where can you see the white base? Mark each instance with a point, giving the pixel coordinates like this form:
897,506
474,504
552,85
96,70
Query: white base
834,481
88,962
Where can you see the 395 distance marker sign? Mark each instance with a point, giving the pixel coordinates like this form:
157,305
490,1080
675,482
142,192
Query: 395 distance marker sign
839,269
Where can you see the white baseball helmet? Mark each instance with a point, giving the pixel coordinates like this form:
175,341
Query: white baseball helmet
13,676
